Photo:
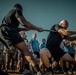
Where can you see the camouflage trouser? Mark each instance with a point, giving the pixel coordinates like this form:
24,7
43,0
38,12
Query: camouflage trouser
6,61
2,59
10,60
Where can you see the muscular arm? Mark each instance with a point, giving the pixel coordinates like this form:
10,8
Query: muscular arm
71,38
27,24
72,32
66,32
63,32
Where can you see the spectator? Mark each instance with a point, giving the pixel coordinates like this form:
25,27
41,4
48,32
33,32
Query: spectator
35,44
43,45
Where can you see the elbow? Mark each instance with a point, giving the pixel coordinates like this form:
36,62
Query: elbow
67,34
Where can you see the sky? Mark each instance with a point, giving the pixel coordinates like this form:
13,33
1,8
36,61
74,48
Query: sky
43,13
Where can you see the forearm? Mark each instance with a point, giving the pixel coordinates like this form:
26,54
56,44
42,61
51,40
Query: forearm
72,32
71,38
30,26
66,32
27,24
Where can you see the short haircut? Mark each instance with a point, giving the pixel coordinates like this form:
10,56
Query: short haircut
18,6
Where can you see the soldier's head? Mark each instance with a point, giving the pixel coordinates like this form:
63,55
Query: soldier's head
64,24
18,6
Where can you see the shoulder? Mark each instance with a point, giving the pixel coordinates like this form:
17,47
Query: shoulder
55,25
31,40
12,11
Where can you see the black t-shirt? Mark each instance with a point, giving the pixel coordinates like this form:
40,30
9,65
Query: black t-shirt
54,38
11,18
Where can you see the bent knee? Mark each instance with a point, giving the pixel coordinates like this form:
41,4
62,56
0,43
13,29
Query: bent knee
43,51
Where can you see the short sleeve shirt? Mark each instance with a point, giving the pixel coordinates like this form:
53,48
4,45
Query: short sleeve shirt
35,44
54,38
11,18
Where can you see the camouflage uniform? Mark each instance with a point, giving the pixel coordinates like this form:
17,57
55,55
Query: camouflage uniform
1,53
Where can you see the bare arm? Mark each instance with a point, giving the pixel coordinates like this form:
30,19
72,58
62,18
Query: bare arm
27,24
63,32
72,32
71,38
66,32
